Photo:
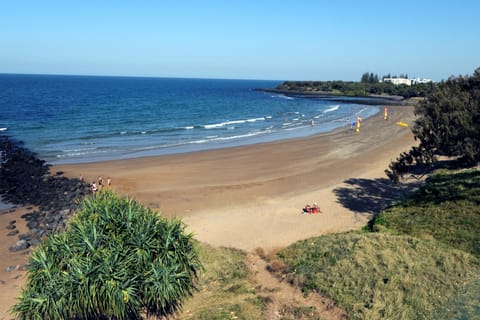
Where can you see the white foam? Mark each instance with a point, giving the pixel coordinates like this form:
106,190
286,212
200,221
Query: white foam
78,150
3,129
281,96
332,109
227,123
363,109
77,154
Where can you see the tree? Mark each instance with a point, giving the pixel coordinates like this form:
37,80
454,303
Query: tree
448,124
369,78
116,260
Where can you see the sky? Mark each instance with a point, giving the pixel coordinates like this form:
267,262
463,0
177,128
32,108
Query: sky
230,39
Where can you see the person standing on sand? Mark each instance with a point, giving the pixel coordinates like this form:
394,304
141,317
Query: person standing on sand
109,181
94,187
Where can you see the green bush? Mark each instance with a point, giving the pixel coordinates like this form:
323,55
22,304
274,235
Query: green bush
116,260
446,208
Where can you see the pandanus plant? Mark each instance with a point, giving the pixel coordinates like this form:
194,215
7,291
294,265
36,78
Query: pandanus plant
115,260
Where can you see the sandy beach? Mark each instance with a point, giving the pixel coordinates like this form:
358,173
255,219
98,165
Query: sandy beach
251,196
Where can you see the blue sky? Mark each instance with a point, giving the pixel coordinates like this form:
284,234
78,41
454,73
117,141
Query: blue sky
280,40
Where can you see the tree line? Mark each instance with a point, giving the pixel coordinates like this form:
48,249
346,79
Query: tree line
447,124
360,89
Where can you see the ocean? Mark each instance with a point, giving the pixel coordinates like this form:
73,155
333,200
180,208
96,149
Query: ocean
75,119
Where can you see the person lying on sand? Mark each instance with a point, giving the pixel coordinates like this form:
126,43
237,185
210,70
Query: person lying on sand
311,209
307,209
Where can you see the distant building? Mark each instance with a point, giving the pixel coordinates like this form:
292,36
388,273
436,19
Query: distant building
405,81
421,80
397,81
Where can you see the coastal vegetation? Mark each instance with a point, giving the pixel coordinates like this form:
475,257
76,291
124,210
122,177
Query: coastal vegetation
414,261
370,86
115,260
446,208
448,124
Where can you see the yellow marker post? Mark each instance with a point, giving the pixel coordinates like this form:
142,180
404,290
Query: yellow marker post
359,121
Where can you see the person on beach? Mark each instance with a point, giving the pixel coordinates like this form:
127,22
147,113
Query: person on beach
311,209
307,209
316,208
100,181
109,181
94,187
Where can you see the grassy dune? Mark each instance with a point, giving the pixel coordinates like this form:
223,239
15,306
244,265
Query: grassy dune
378,276
225,291
446,208
422,261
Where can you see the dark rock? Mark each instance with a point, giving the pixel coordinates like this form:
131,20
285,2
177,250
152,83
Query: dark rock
11,268
32,224
13,232
13,222
19,245
23,236
34,242
26,180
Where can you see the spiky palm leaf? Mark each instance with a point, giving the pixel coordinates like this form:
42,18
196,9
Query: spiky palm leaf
116,260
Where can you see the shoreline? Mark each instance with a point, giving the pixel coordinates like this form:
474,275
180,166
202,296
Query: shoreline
305,131
238,182
377,100
249,196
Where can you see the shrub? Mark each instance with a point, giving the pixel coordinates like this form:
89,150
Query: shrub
116,260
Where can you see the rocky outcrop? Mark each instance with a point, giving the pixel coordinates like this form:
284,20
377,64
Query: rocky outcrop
26,180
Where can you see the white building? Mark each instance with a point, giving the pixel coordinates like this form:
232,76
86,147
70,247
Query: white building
397,81
408,82
421,80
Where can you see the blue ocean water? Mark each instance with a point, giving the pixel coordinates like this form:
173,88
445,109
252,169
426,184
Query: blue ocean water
72,119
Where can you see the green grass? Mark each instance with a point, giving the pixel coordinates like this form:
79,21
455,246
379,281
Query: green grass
446,208
225,289
422,261
380,276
